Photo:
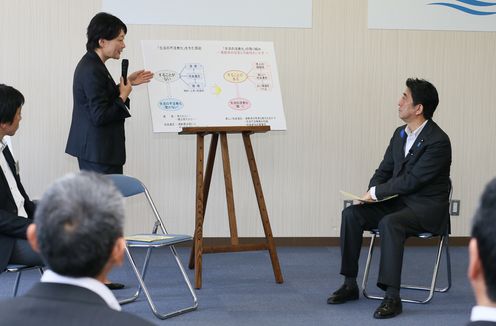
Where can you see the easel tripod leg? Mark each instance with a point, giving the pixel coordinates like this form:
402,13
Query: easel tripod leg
206,187
199,211
231,212
263,208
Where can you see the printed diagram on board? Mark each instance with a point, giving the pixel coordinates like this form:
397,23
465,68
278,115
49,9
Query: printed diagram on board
192,75
259,75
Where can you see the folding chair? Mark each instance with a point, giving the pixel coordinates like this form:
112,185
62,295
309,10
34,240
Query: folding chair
130,186
15,268
442,245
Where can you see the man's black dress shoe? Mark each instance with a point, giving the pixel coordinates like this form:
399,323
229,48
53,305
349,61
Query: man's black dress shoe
114,286
389,308
343,294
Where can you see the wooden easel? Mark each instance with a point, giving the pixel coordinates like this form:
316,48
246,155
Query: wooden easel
202,188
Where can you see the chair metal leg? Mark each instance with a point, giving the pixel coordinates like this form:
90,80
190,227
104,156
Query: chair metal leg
142,285
432,287
143,274
16,283
443,244
448,266
367,270
18,278
144,269
186,279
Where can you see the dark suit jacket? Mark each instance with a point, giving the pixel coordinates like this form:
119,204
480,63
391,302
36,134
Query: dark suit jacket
97,128
62,304
422,178
482,323
12,226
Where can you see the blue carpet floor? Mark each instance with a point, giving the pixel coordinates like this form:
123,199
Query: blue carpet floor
239,289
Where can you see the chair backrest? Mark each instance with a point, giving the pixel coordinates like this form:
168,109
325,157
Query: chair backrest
128,186
450,189
448,227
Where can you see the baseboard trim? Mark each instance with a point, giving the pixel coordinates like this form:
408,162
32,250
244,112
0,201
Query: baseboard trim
328,241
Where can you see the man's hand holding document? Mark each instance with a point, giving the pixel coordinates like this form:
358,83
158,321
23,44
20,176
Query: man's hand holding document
365,198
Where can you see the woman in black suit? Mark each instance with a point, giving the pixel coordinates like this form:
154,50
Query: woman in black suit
96,136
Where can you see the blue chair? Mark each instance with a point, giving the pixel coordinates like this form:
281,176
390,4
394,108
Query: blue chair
129,186
15,268
442,245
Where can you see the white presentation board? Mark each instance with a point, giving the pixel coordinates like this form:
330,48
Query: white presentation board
213,83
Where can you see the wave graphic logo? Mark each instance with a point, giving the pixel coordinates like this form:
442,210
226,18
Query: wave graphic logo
479,5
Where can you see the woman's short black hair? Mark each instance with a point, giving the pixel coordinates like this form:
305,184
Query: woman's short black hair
103,26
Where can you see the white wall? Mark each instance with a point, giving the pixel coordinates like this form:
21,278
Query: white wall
340,84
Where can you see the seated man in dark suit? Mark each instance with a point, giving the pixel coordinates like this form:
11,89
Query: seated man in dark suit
16,210
482,254
78,231
416,168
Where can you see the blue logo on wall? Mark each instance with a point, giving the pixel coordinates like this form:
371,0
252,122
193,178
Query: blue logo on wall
480,5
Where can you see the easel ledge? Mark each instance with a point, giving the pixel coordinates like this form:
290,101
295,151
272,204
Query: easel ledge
227,130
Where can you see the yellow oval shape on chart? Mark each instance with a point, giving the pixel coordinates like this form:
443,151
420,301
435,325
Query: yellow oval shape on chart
235,76
216,90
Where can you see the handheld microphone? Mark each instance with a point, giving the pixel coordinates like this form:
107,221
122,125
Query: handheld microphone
125,65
